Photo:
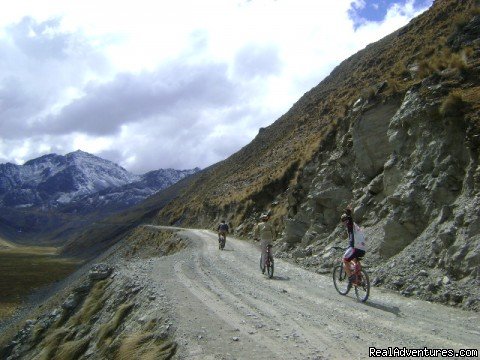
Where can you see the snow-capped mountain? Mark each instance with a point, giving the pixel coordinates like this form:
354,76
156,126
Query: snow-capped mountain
56,181
121,197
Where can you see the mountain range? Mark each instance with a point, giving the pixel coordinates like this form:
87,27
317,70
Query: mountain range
54,188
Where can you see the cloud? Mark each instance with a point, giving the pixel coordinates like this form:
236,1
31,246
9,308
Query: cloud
366,13
175,90
40,68
253,60
166,84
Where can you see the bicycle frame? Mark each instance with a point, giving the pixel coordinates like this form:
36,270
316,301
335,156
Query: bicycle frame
360,280
268,255
355,269
266,261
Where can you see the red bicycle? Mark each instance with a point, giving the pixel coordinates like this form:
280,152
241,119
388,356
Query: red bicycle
267,263
360,282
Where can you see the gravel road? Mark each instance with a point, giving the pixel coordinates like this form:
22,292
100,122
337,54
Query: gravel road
224,308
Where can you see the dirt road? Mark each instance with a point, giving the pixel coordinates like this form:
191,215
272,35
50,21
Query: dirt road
226,309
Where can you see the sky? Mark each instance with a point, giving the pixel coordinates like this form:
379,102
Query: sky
155,84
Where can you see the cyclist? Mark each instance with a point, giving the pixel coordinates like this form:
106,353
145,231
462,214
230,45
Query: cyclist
222,230
265,232
355,249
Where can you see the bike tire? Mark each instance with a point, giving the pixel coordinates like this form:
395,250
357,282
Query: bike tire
362,290
340,280
262,265
270,269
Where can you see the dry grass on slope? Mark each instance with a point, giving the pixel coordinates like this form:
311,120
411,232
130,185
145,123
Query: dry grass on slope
72,350
145,346
93,304
106,330
297,136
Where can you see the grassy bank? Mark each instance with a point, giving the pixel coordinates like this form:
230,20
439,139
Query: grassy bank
24,269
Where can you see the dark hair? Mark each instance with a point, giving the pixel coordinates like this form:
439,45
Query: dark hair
348,211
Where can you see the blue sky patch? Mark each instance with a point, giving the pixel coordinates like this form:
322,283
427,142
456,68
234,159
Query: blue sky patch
375,10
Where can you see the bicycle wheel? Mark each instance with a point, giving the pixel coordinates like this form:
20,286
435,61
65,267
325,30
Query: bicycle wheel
270,268
262,265
340,280
362,290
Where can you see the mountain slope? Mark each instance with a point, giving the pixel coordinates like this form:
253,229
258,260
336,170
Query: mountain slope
116,198
394,132
99,235
265,167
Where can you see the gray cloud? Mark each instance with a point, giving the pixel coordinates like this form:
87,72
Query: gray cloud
183,146
253,60
40,40
172,91
37,64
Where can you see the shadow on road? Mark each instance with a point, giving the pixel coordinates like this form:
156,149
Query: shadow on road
225,249
391,309
281,278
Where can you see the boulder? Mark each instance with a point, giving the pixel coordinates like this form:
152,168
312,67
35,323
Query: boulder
397,237
376,185
294,230
72,301
100,272
330,195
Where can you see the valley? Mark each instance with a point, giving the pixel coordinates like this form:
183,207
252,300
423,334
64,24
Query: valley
25,269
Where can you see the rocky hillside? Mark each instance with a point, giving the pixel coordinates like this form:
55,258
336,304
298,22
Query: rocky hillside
112,311
394,132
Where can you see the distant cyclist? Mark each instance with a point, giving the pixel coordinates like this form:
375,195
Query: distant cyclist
222,230
356,249
265,232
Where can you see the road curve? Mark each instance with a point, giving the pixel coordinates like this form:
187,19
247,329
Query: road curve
226,309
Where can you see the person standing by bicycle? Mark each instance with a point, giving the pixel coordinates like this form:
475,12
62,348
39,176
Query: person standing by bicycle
266,233
356,249
222,230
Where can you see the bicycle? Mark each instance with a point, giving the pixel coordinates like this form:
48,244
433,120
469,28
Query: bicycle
268,263
361,281
222,238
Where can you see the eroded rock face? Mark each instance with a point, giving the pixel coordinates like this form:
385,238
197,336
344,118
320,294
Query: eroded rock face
370,141
410,177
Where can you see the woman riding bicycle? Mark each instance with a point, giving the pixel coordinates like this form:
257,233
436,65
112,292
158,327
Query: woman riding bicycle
222,230
355,249
264,230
